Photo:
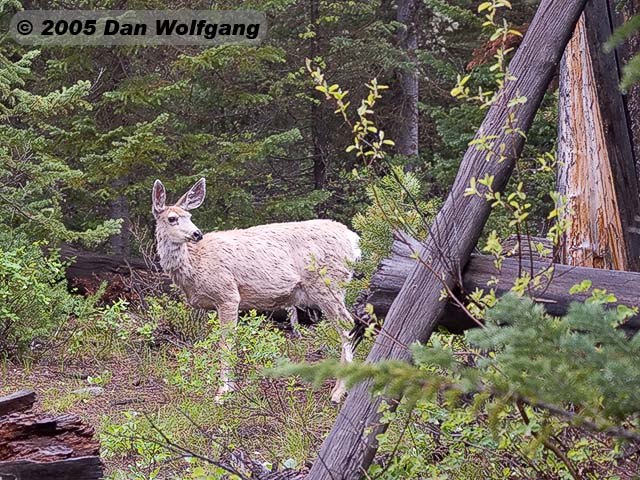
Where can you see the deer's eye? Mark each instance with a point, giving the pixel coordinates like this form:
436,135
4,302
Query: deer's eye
173,220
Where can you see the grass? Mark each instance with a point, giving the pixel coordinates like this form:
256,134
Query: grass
166,382
158,384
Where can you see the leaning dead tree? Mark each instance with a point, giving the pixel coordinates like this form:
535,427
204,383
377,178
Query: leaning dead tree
595,155
351,445
620,13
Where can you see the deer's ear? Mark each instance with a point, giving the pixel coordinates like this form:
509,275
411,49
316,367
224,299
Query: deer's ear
194,197
158,198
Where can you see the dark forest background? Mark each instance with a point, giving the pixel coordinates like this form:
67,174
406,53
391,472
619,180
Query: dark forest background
87,130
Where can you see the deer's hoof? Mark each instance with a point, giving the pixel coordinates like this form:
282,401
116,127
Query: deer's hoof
337,397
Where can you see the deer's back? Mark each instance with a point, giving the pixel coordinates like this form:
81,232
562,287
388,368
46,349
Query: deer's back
272,266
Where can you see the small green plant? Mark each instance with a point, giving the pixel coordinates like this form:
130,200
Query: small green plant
254,344
112,321
173,313
35,305
100,380
133,435
102,330
147,330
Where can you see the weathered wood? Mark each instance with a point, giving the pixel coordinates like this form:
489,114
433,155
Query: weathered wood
41,446
17,402
620,13
350,446
82,468
44,438
596,163
388,279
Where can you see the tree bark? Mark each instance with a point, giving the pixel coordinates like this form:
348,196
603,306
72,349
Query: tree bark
408,123
624,53
597,171
16,402
350,446
43,446
120,243
389,277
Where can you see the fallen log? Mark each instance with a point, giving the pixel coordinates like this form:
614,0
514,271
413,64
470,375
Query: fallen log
85,263
126,277
388,279
82,468
16,402
37,445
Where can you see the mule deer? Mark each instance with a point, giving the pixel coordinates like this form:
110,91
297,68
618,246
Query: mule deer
265,267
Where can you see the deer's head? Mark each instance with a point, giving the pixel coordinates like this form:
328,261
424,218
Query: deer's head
175,221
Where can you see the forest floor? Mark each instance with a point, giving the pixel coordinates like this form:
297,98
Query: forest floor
130,391
144,378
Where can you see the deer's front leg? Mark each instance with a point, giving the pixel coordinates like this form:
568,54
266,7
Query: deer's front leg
228,316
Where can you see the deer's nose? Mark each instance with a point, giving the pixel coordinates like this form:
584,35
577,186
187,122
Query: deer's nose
197,235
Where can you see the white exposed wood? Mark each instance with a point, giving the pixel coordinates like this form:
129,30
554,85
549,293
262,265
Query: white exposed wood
596,172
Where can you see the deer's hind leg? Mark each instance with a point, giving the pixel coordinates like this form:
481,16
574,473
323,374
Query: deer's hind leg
339,316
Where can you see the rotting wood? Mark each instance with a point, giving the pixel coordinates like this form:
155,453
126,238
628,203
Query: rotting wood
596,165
82,468
45,438
17,402
392,272
41,446
351,445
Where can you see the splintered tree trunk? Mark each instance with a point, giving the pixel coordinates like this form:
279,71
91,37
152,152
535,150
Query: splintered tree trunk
350,446
596,172
620,14
407,139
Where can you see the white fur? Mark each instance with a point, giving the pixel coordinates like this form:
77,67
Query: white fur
268,267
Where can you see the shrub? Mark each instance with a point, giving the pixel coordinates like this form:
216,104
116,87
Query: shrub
254,344
395,203
529,391
34,301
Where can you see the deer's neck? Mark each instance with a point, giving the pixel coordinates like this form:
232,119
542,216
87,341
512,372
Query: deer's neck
175,259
